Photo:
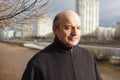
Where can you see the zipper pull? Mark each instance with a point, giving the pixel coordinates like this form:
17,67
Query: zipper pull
71,49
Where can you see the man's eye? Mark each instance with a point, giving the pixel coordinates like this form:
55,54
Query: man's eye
68,27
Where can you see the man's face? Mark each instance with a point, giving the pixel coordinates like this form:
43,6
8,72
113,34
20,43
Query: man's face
69,30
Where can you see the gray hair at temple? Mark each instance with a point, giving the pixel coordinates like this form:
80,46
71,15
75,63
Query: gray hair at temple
56,21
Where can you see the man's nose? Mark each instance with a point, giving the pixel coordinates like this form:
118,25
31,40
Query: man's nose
74,31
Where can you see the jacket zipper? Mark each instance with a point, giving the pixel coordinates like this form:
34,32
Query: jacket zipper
72,63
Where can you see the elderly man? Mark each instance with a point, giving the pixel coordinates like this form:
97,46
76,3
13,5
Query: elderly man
63,59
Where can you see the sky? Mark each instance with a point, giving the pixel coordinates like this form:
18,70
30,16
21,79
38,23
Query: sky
109,12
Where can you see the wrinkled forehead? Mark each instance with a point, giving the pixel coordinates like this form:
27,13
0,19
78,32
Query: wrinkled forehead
70,18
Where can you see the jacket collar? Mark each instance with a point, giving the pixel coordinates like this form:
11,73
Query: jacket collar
57,43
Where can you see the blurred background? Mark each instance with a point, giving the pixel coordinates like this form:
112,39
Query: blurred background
26,27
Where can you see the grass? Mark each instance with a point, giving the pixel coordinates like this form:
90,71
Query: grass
109,69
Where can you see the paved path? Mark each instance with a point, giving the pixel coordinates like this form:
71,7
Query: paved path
13,60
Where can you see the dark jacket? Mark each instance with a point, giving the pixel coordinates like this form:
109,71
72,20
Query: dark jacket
58,62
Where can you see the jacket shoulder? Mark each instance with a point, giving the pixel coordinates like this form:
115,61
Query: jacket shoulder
42,53
84,51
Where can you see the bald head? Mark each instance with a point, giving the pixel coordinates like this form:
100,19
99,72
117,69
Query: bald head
65,16
66,27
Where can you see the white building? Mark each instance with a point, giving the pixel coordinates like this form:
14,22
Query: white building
89,13
105,33
6,33
44,26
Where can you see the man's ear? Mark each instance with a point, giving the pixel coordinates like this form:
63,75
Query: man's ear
54,30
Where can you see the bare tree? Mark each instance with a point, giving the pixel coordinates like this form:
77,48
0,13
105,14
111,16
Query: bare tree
21,11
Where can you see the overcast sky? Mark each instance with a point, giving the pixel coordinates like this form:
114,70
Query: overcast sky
109,10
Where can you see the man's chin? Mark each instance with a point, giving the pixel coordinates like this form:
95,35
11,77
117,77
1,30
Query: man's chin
72,44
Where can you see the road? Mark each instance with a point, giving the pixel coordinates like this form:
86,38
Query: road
13,60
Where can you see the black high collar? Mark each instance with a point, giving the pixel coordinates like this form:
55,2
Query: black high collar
57,43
